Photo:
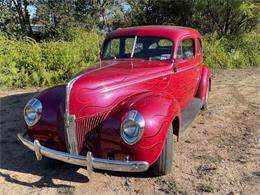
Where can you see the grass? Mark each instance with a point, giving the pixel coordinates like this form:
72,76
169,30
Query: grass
205,188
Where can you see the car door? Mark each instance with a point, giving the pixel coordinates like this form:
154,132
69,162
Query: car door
185,79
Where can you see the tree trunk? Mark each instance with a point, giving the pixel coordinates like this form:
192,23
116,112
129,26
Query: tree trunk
18,8
27,19
23,16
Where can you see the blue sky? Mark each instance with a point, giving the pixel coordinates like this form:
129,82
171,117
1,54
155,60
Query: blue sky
32,10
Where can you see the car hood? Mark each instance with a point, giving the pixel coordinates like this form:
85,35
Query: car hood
105,85
112,72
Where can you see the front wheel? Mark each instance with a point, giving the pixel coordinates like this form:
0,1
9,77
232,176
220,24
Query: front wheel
163,165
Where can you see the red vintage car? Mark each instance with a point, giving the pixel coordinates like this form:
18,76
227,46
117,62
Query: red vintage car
122,113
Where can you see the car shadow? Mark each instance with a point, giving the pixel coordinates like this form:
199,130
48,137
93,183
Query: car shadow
146,174
17,158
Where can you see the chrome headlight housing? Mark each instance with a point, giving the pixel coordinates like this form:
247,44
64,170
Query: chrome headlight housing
132,128
32,112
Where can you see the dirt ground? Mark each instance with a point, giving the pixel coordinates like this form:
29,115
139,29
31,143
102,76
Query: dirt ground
218,154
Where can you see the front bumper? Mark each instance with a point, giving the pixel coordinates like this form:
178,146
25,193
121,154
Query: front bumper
86,161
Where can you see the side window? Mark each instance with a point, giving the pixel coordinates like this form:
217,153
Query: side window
199,49
112,49
162,43
153,46
165,43
186,49
129,43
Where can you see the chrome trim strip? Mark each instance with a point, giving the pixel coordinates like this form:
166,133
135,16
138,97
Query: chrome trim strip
134,82
69,123
86,161
69,120
187,68
148,78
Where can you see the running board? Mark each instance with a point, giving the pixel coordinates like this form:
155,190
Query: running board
190,113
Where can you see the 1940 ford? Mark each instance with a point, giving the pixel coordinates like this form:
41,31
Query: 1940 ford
122,113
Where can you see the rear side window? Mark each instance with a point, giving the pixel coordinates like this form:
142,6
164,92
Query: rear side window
186,49
199,49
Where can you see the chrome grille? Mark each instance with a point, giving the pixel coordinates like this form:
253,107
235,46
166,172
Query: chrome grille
85,125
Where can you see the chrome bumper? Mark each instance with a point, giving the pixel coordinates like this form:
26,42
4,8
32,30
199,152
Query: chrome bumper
86,161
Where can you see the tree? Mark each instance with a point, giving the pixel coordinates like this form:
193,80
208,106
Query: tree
104,12
21,7
5,15
59,16
14,17
175,12
226,17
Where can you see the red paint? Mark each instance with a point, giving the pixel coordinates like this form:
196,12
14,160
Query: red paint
102,96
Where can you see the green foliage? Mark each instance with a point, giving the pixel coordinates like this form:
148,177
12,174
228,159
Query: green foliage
25,63
221,16
233,52
226,17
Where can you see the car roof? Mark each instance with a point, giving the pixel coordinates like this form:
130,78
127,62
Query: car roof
171,32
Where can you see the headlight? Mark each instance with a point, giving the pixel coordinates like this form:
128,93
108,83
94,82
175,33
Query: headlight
32,112
132,127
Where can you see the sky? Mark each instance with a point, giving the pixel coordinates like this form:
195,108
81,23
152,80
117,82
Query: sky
32,10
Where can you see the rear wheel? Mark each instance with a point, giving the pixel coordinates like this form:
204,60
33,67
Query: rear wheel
163,165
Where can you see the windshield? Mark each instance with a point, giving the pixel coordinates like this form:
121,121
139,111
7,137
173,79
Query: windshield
143,47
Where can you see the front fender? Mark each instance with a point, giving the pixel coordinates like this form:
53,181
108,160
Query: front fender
158,111
50,128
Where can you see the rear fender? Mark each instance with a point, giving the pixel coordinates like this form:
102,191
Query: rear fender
205,81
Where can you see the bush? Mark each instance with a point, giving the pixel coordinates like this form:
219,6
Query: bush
26,63
233,52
